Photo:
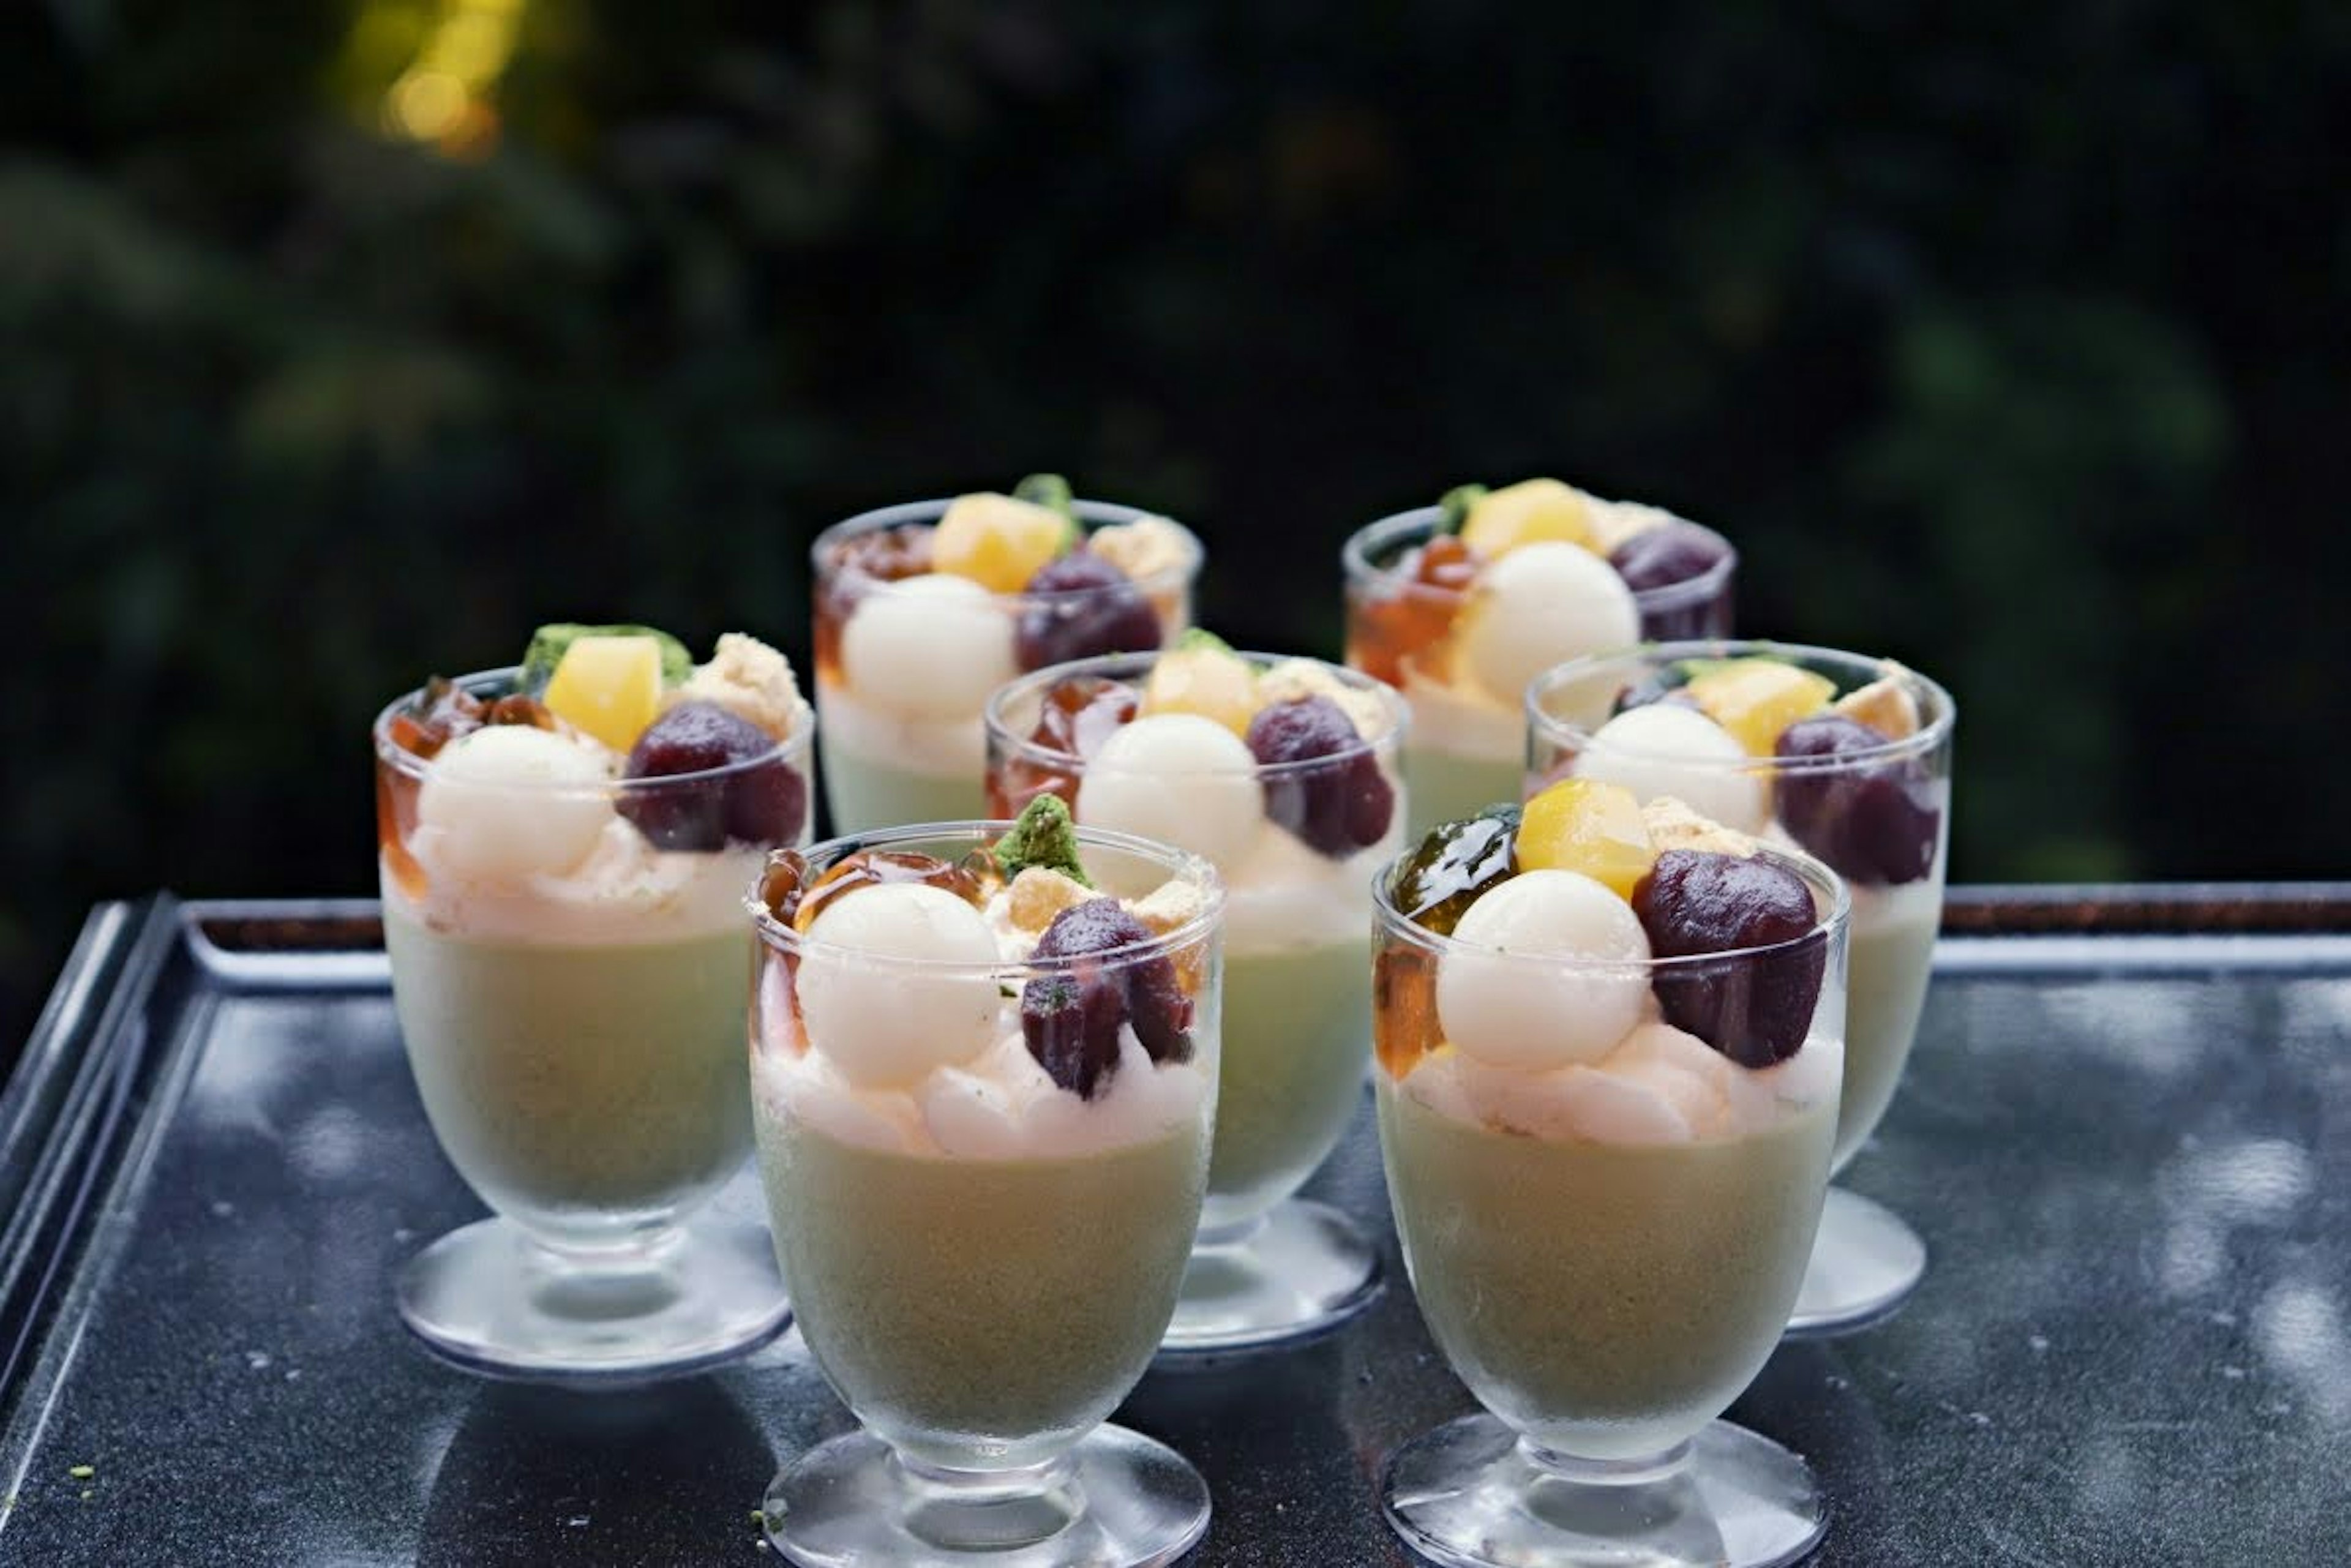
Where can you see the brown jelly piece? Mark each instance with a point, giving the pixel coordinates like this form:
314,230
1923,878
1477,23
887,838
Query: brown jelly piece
872,868
1414,615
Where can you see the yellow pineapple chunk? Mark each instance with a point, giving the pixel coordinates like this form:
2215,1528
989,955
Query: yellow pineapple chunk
610,687
1202,675
997,541
1757,699
1585,825
1529,512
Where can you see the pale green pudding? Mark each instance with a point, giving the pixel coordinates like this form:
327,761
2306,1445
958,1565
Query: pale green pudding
1893,953
867,789
1464,752
1608,1300
961,1305
1297,1039
587,1090
1446,786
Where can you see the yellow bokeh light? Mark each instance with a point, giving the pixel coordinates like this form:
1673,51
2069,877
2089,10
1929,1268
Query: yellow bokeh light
443,95
427,104
472,47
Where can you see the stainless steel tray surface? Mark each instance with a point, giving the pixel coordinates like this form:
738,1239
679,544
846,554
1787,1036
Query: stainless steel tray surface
2130,1158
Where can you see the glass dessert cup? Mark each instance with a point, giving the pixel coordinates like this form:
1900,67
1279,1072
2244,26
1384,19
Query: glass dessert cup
1268,1266
915,752
1867,1259
982,1308
1467,747
1605,1290
576,1040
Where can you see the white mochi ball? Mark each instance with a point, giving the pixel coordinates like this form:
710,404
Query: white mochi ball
1533,1015
1180,778
509,801
933,647
884,1026
1540,605
1664,748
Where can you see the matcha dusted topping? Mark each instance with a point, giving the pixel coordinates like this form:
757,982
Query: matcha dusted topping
1044,836
1049,491
1453,507
1199,639
551,643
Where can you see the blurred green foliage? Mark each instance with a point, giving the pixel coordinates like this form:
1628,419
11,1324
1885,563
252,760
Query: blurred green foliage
2007,341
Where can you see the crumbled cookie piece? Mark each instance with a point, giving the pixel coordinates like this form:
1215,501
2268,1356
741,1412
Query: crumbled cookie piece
1676,825
1142,548
1038,893
1171,906
1613,522
747,677
1292,679
1884,704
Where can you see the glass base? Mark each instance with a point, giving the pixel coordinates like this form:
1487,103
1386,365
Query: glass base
1303,1269
491,1299
1117,1500
1866,1262
1471,1494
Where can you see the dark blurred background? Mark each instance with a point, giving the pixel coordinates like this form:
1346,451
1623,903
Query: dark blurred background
343,342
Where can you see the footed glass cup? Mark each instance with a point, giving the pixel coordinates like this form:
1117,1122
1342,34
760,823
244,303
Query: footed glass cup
913,752
1868,1260
982,1316
1268,1266
576,1038
1605,1300
1467,745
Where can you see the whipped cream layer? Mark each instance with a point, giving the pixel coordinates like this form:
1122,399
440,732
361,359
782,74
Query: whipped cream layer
999,1105
1282,893
945,748
1658,1085
1461,718
625,890
1899,906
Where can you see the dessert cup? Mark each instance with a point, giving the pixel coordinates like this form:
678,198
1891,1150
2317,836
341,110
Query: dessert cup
1268,1266
1605,1275
575,1027
1467,750
902,734
1867,1260
982,1259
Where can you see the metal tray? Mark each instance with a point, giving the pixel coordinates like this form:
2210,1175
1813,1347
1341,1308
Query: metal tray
2127,1154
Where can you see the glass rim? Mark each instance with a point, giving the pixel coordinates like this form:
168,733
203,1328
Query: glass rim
407,763
999,731
1397,528
1817,876
1938,713
1180,863
1091,515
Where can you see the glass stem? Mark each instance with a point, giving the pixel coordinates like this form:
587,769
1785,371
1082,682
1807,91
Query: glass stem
962,1509
1645,1470
625,1252
1233,1233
